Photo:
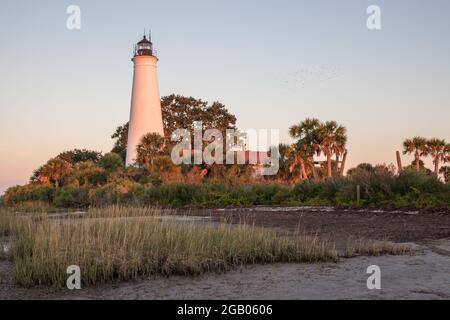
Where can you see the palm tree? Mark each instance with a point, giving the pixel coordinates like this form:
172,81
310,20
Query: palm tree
344,160
152,146
445,171
438,149
285,156
55,170
416,146
298,162
307,135
332,140
447,150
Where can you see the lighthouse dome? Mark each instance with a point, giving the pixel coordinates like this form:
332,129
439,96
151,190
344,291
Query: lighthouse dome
144,41
144,47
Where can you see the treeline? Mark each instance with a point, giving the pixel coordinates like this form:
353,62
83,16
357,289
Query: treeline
378,188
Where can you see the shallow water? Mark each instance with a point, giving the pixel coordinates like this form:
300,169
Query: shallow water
164,217
200,220
191,211
309,209
75,214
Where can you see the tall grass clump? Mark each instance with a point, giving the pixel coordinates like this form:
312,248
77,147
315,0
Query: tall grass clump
6,217
12,220
366,247
117,248
7,222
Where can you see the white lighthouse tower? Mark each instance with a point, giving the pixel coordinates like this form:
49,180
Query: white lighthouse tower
145,115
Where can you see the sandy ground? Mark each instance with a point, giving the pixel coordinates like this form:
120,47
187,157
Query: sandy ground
424,275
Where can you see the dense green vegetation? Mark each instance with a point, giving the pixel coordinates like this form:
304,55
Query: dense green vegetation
378,188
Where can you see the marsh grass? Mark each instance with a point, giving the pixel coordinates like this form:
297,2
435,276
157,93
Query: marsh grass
4,224
7,218
5,229
2,251
366,247
118,243
122,243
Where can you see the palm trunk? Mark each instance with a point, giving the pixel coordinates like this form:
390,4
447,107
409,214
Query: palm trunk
417,162
436,166
399,163
329,168
344,159
336,166
302,165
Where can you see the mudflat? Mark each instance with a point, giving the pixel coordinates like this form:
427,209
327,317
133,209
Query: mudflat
339,224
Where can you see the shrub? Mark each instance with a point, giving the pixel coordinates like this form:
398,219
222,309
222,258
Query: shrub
135,186
120,191
71,197
111,161
325,190
29,192
411,180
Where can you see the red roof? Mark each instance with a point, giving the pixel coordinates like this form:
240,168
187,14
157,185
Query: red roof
252,157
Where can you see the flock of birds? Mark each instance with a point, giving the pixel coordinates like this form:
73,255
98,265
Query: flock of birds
306,76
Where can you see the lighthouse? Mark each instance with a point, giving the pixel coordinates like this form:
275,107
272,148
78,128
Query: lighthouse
145,114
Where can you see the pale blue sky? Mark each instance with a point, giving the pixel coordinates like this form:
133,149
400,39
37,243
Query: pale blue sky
273,63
